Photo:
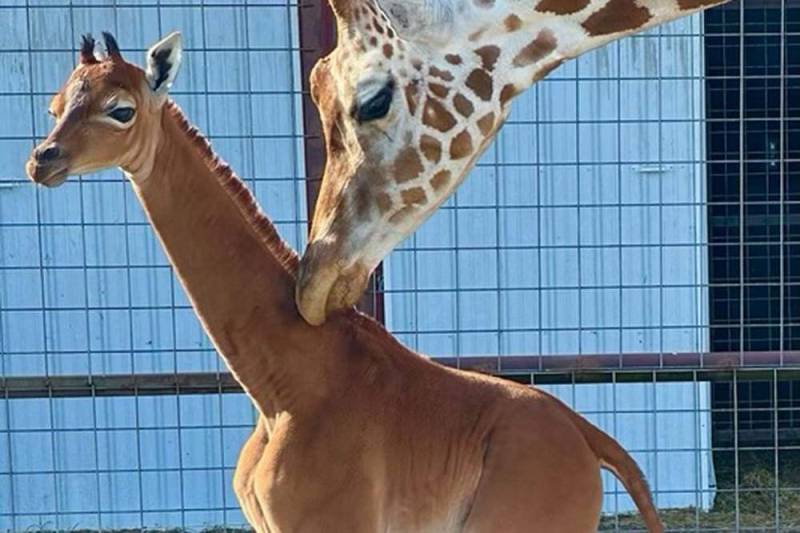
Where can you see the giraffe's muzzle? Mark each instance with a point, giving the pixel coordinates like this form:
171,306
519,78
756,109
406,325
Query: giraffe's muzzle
325,283
47,165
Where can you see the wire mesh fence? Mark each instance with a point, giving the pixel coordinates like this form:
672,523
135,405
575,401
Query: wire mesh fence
630,242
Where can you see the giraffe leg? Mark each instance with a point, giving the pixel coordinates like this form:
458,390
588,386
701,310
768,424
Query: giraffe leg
556,490
243,478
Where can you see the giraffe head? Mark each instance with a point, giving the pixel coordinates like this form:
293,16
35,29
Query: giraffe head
107,113
408,101
413,93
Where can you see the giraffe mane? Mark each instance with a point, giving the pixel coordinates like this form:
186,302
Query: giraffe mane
359,323
239,194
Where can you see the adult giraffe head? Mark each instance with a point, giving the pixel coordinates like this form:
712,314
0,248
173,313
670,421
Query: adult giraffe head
412,95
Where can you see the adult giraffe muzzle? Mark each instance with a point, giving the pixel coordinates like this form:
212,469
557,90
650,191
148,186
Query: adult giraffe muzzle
412,95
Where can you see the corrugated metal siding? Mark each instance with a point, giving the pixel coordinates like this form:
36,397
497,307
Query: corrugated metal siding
583,231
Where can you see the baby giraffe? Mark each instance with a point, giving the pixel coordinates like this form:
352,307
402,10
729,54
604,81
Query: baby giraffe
356,433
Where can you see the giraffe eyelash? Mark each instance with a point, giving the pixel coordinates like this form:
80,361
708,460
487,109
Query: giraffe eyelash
377,106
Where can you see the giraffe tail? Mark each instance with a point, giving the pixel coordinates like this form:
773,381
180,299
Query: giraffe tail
615,459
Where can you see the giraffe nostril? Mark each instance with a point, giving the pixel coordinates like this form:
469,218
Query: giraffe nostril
48,154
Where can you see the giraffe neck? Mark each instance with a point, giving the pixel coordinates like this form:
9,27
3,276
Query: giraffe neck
518,42
461,62
237,273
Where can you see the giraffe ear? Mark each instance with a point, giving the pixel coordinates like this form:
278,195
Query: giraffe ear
163,61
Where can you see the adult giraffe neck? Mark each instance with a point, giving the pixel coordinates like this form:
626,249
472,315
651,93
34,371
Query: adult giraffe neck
237,273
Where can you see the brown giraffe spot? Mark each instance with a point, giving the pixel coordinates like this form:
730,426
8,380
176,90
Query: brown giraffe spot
388,51
541,46
415,195
384,202
485,3
373,41
362,202
390,33
411,98
367,27
431,148
513,23
372,8
474,36
400,215
488,55
439,90
446,75
362,197
694,4
481,83
453,59
437,116
508,92
547,69
378,26
407,166
463,105
440,179
617,16
486,123
561,7
461,146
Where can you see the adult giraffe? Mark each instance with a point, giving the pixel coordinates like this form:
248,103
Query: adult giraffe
356,433
410,98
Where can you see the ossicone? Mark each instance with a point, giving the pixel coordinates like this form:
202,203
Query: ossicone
112,48
87,50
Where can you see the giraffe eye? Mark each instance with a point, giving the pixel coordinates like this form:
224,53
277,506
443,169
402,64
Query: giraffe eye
377,106
122,114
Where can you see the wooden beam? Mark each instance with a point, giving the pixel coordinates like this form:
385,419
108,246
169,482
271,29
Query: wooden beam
529,370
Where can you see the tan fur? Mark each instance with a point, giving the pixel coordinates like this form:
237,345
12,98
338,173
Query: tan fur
356,433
